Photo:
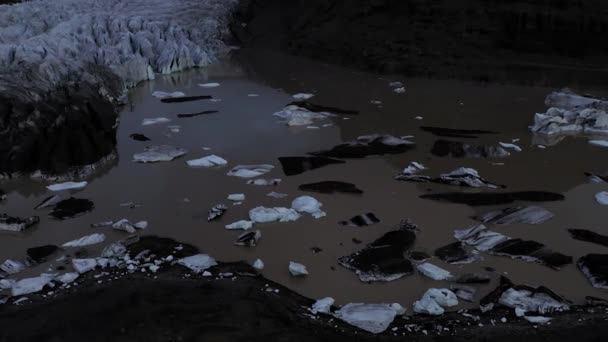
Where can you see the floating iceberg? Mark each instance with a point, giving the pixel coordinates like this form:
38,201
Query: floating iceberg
208,161
243,224
433,272
297,269
263,214
374,318
162,153
250,171
67,186
154,121
434,301
31,285
322,305
198,263
309,205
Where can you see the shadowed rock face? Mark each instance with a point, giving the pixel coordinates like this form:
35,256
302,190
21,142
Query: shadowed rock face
43,133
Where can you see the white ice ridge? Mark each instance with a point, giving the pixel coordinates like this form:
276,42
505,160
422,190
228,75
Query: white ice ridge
133,38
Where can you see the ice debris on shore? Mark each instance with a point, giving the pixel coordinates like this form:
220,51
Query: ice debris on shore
17,224
250,171
373,318
208,161
67,186
258,264
570,113
87,240
594,268
434,301
161,153
31,285
10,266
322,305
297,269
198,263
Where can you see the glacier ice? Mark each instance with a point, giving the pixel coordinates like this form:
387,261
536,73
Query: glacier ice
374,318
88,240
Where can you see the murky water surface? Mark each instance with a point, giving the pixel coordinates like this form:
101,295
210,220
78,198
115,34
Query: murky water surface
175,198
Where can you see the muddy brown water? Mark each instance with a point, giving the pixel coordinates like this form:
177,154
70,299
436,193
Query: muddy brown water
245,132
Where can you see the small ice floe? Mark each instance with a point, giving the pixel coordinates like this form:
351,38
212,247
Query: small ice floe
71,207
538,319
236,197
17,224
31,285
198,263
368,145
216,212
250,171
296,165
88,240
10,266
594,268
485,240
383,259
154,121
400,90
330,187
84,265
253,95
67,186
303,96
264,215
67,278
161,153
48,202
511,146
373,318
457,149
589,236
307,204
455,133
602,197
419,118
264,182
209,85
367,219
297,269
413,168
434,272
164,95
434,302
528,299
174,128
243,224
460,177
295,115
249,239
208,161
258,264
322,305
277,195
600,143
570,113
127,226
517,215
139,137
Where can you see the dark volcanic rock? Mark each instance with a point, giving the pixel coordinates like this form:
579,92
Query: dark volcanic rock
191,115
589,236
455,133
297,165
185,99
515,215
383,259
460,177
40,254
323,109
249,239
367,146
595,267
418,256
452,253
330,187
473,278
71,207
494,198
139,137
216,212
361,220
457,149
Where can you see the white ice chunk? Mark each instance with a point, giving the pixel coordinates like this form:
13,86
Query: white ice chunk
154,121
303,96
84,265
67,186
373,318
298,116
198,263
434,301
602,197
601,143
250,171
511,146
413,168
538,319
433,272
209,85
322,305
128,226
166,95
309,205
276,195
243,224
67,278
162,153
400,90
258,264
529,301
88,240
208,161
31,285
6,284
263,214
10,266
236,197
297,269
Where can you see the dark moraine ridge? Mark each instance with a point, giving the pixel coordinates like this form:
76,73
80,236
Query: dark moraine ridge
480,39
